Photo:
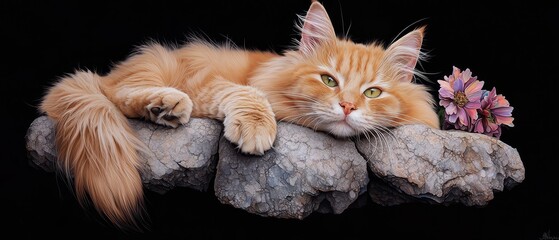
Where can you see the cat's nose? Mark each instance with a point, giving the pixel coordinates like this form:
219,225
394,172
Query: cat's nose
348,107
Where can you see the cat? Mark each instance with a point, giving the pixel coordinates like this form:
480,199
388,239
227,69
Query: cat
326,83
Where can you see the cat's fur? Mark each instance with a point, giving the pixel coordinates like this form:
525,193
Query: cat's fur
248,90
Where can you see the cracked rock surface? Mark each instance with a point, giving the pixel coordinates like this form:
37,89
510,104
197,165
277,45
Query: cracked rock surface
439,166
305,171
309,171
180,157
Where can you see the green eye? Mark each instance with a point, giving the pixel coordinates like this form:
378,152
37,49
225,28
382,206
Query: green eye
372,92
329,81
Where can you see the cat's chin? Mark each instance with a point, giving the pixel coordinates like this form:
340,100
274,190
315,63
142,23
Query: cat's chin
341,129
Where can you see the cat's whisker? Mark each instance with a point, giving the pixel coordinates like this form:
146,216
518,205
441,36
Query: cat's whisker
296,119
396,119
313,122
365,133
318,121
283,93
379,130
302,99
374,135
384,136
294,104
292,96
382,143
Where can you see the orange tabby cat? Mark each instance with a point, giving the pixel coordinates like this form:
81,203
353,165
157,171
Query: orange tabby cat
328,84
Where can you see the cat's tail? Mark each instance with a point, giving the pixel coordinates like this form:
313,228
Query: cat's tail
96,147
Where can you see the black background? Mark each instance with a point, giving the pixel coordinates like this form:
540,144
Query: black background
511,46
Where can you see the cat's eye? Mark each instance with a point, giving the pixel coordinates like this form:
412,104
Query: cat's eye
372,92
328,80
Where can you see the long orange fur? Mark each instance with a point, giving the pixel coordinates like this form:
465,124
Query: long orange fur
248,90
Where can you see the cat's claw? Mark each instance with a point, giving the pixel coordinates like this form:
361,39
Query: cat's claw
170,107
251,135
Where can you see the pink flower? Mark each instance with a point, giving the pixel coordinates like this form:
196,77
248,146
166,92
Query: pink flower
494,111
460,95
468,108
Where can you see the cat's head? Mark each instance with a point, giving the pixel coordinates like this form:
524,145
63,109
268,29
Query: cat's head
346,88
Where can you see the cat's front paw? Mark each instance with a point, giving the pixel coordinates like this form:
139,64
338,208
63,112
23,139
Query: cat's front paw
169,107
254,133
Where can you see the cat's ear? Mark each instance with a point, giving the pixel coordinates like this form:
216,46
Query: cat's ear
405,53
317,28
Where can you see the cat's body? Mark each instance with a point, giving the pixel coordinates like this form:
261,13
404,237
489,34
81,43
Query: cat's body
328,84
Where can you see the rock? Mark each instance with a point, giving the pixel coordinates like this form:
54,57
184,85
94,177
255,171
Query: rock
40,144
310,171
381,192
438,166
181,157
305,171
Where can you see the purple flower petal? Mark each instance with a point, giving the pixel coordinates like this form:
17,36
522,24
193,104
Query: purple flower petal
493,93
475,96
452,118
445,102
470,81
474,87
497,133
455,71
500,101
479,126
473,105
451,108
485,103
504,120
445,93
466,74
458,85
491,127
472,113
462,116
446,85
502,111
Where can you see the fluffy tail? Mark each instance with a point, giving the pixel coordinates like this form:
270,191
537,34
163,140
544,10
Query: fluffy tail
96,147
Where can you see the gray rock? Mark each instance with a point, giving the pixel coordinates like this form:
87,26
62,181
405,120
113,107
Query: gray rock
381,192
181,157
309,171
40,144
438,166
305,171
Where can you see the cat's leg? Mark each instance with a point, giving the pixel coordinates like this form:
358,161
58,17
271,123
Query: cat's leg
247,115
162,105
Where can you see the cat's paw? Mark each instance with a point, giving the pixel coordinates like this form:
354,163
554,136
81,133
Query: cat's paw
170,107
254,133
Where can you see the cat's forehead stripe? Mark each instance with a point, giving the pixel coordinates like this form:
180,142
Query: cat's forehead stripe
355,64
345,62
356,61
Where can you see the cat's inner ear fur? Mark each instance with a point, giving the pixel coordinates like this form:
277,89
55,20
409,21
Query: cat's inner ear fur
316,28
404,54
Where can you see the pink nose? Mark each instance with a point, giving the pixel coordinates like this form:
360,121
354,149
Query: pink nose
348,107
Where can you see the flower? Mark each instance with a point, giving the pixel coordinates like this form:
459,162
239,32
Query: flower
460,95
467,107
494,111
